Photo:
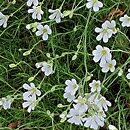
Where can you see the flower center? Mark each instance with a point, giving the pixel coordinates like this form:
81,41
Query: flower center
110,65
34,90
128,19
95,1
44,30
82,100
38,9
104,52
104,30
75,86
96,85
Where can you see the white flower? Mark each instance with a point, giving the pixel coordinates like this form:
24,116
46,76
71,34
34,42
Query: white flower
95,86
32,91
56,14
75,117
102,103
81,104
128,75
95,4
6,102
3,20
101,54
72,86
95,121
30,2
46,67
69,97
111,25
36,12
112,127
109,65
44,31
125,21
104,33
30,103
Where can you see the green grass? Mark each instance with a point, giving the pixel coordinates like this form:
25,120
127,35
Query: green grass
63,39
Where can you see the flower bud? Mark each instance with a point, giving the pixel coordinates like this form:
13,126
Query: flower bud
66,13
27,53
12,65
48,55
48,112
120,73
74,57
14,2
60,106
31,79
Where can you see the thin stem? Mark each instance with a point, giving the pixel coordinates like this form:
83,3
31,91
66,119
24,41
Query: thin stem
16,10
62,5
85,45
39,86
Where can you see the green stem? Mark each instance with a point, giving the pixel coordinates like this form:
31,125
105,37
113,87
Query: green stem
85,45
62,5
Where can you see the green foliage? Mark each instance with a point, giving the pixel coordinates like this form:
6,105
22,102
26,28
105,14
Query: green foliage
16,39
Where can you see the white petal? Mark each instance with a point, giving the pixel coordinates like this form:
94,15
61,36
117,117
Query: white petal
38,92
25,104
29,2
99,37
89,5
98,30
45,36
100,4
34,15
39,16
105,69
105,38
51,11
26,86
38,33
32,85
67,82
40,27
95,8
35,2
58,20
52,16
27,95
5,24
30,11
97,58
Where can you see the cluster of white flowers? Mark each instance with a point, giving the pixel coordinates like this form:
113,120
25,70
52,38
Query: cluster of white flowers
107,30
87,109
30,96
42,30
104,55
